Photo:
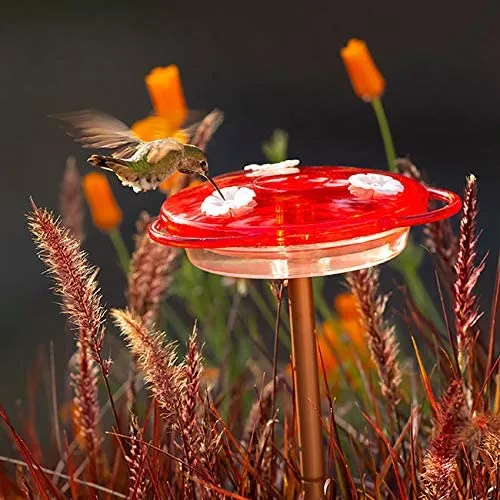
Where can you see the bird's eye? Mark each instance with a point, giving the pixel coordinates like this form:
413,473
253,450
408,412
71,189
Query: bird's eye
203,164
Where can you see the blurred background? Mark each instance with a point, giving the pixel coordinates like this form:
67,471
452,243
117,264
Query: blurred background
266,65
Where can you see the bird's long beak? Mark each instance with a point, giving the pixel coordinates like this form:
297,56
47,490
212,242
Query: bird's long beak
209,179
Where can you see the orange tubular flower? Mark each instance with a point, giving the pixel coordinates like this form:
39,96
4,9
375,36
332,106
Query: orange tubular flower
346,305
174,183
170,109
327,356
170,184
105,212
326,344
157,127
366,80
350,322
170,112
68,413
165,88
337,340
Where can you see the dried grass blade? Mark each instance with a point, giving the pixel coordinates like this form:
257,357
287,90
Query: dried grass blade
71,471
343,472
43,483
425,379
393,456
495,308
488,377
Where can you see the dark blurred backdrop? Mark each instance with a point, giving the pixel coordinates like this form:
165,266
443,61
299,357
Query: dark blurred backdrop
266,64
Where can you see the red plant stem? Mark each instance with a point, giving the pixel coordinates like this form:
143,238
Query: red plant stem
495,307
101,364
275,363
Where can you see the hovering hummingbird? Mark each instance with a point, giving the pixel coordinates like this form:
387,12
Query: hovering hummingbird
141,165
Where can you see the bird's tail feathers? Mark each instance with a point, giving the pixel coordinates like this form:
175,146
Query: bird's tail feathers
106,162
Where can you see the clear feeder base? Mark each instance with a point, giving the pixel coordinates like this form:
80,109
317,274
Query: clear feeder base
301,261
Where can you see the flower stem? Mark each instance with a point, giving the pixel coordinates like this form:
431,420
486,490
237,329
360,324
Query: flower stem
275,365
261,304
420,296
324,310
385,132
410,273
178,325
120,248
265,310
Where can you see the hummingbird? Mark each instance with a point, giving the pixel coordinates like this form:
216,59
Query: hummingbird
141,165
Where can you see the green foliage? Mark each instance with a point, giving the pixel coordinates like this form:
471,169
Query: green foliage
276,148
408,264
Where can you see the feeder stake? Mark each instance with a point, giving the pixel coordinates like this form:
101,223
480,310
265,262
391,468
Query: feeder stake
307,395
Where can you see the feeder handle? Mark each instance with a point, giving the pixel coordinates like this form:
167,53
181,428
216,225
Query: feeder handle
452,201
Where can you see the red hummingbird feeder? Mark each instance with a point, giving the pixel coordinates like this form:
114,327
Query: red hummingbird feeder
296,223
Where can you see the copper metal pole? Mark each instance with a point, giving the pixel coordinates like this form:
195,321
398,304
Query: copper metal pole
307,396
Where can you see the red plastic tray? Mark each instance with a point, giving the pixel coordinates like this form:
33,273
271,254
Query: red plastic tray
309,207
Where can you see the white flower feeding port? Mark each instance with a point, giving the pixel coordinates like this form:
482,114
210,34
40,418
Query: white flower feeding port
237,201
286,167
371,185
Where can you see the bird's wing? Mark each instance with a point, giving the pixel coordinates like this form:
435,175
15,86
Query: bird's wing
159,149
206,128
97,130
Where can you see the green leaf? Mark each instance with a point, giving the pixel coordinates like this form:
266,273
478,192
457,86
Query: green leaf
408,264
411,258
276,148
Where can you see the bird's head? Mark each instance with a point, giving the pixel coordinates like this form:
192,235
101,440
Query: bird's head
194,161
